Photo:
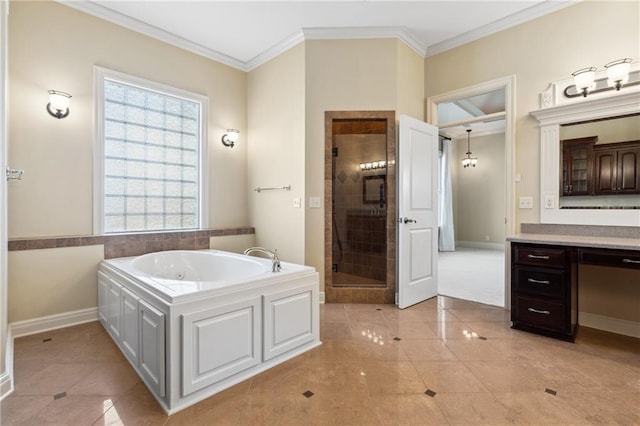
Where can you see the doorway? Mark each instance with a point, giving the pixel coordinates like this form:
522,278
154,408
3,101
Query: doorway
360,184
487,110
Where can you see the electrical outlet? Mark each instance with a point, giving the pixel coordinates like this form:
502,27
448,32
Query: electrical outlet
526,203
548,202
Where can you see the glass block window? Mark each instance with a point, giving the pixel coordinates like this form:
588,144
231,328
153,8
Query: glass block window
151,159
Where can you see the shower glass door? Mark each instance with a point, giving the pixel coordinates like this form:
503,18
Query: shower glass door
359,203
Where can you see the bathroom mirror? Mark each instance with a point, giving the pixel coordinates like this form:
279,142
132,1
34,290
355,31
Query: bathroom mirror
600,163
557,120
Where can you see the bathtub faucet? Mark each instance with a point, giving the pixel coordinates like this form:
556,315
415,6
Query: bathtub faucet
273,254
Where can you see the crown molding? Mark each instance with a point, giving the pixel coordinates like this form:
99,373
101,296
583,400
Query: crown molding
132,24
278,49
300,36
512,20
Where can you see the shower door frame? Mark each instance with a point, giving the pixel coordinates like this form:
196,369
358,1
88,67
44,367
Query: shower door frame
361,294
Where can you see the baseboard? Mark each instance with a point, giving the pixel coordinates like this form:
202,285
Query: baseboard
52,322
6,378
480,245
321,297
613,325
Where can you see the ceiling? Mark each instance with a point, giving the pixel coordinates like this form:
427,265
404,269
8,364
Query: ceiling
246,34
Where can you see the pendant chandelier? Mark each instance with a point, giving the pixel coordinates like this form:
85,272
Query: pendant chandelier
468,160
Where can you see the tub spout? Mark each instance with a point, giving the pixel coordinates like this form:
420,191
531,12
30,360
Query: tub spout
275,261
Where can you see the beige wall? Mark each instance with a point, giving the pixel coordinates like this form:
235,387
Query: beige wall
276,156
478,192
55,47
538,52
346,75
410,82
610,292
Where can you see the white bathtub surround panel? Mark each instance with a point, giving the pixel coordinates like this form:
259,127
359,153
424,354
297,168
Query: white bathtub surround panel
195,338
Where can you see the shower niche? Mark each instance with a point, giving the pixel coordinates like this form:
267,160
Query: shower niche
360,231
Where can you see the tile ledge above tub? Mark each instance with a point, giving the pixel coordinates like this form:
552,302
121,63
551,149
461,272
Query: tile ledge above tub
121,245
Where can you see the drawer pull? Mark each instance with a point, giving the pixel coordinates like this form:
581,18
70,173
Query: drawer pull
536,311
531,280
533,256
630,261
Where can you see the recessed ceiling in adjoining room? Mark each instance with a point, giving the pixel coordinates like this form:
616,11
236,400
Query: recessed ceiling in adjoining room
246,34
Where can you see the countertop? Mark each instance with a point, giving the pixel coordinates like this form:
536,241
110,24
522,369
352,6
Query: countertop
578,241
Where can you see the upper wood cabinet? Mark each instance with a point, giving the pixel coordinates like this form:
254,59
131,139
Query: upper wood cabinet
617,168
577,166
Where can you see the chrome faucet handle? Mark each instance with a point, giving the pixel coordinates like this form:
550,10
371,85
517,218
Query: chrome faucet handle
276,261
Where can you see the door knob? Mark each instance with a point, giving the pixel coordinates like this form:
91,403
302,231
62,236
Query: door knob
407,220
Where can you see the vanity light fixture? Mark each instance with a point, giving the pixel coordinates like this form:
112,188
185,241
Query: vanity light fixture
468,160
58,105
374,165
584,80
618,72
229,139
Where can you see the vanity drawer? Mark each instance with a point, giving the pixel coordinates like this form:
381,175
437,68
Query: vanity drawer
616,259
540,256
540,313
539,281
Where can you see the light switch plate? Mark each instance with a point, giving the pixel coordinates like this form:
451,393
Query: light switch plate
526,203
548,202
314,202
297,202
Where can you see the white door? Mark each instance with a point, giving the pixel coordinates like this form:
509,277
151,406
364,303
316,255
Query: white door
417,249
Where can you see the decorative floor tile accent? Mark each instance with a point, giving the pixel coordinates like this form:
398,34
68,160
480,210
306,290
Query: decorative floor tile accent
48,339
430,393
397,339
482,338
59,395
308,394
550,391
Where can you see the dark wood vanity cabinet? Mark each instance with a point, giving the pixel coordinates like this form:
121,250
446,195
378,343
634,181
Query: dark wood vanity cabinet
617,168
544,291
577,165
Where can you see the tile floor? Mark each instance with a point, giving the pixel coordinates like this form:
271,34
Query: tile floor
444,361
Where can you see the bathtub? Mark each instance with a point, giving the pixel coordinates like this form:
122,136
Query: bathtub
193,323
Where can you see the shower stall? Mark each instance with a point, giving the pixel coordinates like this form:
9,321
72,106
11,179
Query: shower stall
362,187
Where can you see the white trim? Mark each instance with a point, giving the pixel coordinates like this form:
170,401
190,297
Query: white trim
271,53
132,24
481,245
613,325
100,74
550,119
509,85
355,33
507,22
6,344
53,322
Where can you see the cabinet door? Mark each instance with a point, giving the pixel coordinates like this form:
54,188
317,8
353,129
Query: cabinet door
627,171
219,342
129,327
103,299
289,320
605,172
577,164
114,309
152,347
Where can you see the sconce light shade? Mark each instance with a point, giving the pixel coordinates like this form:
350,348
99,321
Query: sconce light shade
618,72
229,139
58,105
585,80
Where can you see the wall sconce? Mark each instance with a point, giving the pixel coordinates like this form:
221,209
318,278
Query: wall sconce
58,105
229,139
584,80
